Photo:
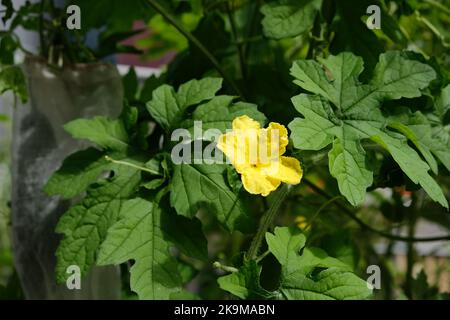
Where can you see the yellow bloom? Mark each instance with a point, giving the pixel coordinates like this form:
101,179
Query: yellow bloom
257,155
302,223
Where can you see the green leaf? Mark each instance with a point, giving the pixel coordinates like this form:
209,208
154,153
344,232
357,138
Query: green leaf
196,186
329,284
245,283
85,225
8,10
289,18
130,84
12,78
395,77
77,172
443,102
312,275
153,184
167,107
129,116
418,130
344,111
183,295
285,244
8,46
138,236
347,164
105,132
220,112
187,235
428,132
351,33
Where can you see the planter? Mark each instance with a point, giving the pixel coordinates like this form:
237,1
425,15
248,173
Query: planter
40,143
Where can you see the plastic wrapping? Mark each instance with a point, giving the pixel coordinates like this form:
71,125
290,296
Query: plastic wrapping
40,144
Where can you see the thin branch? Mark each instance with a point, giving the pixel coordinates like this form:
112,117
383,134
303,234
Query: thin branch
41,28
267,220
218,265
239,47
438,6
367,227
321,208
155,5
132,165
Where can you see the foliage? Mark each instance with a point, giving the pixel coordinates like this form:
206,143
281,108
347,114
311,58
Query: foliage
366,117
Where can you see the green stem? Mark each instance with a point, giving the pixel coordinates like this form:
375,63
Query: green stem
322,207
218,265
41,29
155,5
267,220
367,227
132,165
239,47
438,5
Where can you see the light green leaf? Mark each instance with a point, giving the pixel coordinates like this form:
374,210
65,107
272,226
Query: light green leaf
196,186
167,107
183,295
285,244
77,172
289,18
417,129
138,236
196,91
220,112
153,184
12,78
443,102
329,284
396,77
245,283
406,157
315,130
313,275
84,226
356,115
105,132
347,164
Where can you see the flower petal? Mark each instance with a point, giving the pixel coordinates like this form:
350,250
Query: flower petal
256,183
245,122
279,132
240,146
287,170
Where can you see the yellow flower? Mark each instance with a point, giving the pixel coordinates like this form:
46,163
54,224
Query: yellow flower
302,223
257,155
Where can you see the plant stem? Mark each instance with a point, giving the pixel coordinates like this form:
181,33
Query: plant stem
438,5
410,258
132,165
155,5
218,265
41,29
267,220
321,208
239,47
367,227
